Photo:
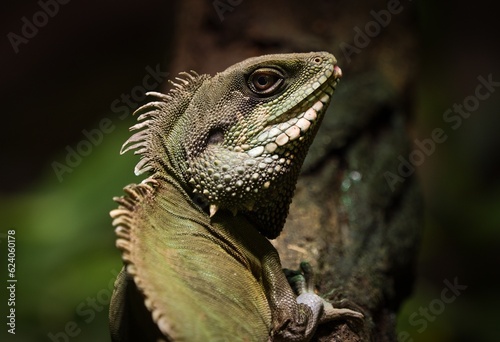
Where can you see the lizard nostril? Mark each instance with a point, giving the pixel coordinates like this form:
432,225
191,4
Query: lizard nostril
318,60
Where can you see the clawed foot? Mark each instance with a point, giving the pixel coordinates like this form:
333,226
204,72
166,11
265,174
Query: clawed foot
302,283
301,280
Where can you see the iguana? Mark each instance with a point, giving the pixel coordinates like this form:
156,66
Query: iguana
223,155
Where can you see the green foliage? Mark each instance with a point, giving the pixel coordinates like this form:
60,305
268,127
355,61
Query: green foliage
65,257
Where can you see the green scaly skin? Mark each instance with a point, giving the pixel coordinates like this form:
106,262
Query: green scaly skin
224,154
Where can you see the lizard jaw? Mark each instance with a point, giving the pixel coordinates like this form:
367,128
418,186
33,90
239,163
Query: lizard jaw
279,135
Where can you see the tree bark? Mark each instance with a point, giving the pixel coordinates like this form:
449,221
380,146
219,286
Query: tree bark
356,211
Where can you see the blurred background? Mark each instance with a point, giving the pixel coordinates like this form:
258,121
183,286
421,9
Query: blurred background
69,85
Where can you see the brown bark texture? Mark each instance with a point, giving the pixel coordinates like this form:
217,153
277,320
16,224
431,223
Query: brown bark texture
356,212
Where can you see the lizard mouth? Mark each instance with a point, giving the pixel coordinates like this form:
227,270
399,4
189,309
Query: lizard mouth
299,121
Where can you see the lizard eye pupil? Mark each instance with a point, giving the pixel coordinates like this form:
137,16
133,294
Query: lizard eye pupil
265,81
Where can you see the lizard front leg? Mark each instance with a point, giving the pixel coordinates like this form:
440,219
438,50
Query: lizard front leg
302,283
296,318
291,321
293,318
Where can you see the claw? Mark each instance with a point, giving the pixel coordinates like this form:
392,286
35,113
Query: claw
331,313
308,272
302,283
297,281
213,209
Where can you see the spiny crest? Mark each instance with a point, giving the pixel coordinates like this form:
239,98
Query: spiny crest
159,116
123,216
237,141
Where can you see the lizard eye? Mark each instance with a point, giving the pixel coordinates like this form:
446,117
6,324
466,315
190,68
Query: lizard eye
265,81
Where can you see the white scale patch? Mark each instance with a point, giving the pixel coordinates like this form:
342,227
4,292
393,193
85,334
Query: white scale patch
281,134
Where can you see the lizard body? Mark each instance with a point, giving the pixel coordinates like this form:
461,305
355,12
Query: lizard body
224,154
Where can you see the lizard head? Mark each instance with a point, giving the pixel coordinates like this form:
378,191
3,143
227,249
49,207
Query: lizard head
237,140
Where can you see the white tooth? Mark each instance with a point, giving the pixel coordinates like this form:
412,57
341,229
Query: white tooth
310,114
263,136
282,139
284,126
271,147
325,98
308,91
256,151
213,209
318,106
303,124
274,132
293,132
